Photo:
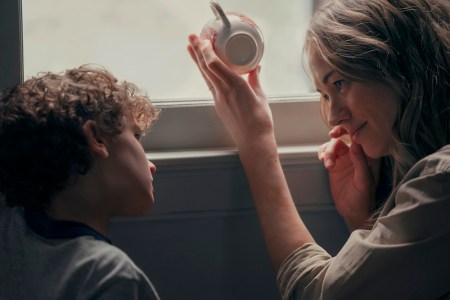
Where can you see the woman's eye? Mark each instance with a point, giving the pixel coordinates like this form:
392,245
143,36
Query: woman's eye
325,97
340,83
138,136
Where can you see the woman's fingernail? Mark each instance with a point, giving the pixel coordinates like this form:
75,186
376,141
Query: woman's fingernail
206,43
193,40
329,163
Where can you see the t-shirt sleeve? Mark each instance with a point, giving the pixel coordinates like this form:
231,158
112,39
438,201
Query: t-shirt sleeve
405,256
127,289
108,273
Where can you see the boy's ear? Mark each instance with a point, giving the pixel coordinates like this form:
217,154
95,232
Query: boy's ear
96,140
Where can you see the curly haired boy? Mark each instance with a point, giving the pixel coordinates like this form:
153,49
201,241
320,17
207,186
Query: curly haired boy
70,160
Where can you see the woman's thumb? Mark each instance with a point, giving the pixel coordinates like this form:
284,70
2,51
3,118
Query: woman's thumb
359,160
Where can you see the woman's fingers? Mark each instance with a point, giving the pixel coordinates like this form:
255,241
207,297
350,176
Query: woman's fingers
217,75
337,132
195,59
359,161
321,151
215,71
196,50
223,74
366,169
329,152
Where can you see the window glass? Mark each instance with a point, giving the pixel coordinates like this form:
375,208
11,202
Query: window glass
144,41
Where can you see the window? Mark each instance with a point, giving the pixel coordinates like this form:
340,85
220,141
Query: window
145,42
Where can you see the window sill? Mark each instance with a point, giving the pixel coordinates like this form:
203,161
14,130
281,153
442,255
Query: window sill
302,154
203,182
194,125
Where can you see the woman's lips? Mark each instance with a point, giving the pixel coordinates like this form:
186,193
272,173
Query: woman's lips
354,133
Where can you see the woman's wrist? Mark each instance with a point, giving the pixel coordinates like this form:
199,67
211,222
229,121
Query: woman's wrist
257,148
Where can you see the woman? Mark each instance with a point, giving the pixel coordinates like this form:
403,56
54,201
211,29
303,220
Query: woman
382,68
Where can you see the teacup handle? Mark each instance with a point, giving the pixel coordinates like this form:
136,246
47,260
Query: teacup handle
218,11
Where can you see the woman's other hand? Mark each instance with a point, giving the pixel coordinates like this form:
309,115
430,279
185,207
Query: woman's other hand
353,178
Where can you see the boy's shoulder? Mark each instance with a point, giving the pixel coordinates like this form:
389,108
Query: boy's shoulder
80,254
74,265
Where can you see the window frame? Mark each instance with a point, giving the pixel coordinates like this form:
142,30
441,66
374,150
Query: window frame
11,59
184,125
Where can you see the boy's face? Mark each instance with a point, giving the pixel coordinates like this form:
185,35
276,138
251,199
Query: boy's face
128,173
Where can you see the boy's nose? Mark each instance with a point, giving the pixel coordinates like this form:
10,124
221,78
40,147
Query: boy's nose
152,167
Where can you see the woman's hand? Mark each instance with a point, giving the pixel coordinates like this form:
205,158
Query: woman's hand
353,178
241,104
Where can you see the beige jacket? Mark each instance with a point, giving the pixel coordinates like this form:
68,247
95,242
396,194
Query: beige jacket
405,256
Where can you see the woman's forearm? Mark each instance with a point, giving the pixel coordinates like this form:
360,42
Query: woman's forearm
282,227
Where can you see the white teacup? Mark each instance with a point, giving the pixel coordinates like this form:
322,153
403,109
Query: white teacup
236,39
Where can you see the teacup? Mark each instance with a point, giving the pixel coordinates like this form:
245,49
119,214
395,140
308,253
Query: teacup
236,39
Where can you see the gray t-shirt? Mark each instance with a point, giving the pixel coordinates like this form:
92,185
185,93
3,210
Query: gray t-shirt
34,267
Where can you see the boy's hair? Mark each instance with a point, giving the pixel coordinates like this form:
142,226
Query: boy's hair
405,44
42,142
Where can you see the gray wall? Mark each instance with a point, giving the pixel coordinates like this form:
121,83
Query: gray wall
203,240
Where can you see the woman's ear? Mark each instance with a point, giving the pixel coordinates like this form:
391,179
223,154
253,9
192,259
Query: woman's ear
96,140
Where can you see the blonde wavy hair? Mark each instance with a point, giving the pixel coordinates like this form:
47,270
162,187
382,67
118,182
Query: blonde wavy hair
42,141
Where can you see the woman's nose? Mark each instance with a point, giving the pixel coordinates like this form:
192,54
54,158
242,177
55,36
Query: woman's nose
338,113
152,167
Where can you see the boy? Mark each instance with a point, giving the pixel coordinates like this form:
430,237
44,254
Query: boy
70,160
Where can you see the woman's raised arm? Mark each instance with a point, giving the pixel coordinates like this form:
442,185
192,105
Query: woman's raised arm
243,108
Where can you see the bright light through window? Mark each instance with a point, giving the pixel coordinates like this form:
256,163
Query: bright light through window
144,41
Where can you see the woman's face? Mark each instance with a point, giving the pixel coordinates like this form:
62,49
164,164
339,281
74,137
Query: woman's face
365,110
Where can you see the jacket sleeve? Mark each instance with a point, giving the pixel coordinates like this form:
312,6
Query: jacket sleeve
405,256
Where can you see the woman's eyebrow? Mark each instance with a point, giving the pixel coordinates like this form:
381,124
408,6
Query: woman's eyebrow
327,76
